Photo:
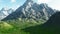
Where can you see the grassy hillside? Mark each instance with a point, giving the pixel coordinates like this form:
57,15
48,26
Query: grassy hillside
31,26
17,26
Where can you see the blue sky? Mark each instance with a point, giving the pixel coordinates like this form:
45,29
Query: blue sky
11,3
55,4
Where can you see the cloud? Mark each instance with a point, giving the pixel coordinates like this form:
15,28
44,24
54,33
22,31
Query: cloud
13,1
55,4
43,1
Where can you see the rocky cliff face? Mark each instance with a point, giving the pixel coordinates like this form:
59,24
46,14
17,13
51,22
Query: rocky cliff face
32,10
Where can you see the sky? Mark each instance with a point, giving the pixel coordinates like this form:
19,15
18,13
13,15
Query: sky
55,4
11,3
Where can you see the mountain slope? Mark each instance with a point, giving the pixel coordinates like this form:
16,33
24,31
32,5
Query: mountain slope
54,20
5,12
32,10
52,26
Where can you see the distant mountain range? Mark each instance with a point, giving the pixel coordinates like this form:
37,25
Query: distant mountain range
5,12
32,10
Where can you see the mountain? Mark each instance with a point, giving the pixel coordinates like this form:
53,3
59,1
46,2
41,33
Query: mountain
32,10
4,12
54,20
52,26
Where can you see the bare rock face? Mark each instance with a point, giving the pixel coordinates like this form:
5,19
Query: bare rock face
32,10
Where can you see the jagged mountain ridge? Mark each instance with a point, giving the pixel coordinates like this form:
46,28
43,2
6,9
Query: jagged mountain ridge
32,10
5,12
52,26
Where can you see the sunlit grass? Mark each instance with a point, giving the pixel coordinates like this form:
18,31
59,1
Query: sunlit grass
5,26
16,26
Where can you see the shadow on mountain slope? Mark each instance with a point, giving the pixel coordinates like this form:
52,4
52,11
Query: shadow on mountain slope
29,10
52,26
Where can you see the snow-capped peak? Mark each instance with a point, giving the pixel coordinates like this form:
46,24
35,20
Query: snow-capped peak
4,12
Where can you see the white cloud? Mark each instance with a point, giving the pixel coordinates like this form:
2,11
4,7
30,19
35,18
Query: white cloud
44,1
55,4
13,1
